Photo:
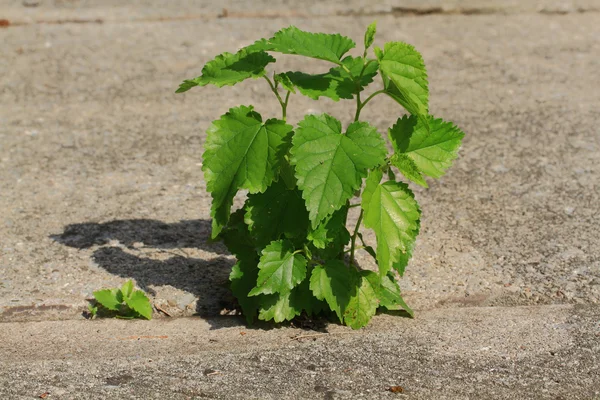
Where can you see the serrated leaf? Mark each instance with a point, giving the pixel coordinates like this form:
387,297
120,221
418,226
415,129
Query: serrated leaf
405,77
279,307
285,82
337,83
227,69
331,230
330,166
408,168
276,212
430,145
368,249
335,283
243,278
302,298
389,295
392,212
236,236
241,152
280,269
139,303
127,289
363,304
370,34
109,298
403,259
323,46
287,174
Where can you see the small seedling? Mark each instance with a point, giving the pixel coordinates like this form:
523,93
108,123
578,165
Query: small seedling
294,251
124,302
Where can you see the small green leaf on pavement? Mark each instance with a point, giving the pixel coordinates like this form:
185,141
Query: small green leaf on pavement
110,299
139,303
127,289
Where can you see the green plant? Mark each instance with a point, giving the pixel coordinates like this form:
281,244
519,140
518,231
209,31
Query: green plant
124,302
294,252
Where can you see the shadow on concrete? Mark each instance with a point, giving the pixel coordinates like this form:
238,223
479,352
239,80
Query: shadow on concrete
206,279
152,233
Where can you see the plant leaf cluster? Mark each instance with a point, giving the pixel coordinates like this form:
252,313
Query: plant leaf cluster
123,302
294,252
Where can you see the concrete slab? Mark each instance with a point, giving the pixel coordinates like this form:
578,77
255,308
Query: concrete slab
100,177
100,182
544,352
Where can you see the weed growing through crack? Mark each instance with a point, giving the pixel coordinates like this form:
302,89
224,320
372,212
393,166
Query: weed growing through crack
294,251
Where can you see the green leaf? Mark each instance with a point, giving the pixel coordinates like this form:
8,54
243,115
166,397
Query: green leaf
287,174
303,299
291,40
127,289
408,168
335,283
280,269
337,83
392,212
368,249
279,307
330,166
389,295
370,34
243,278
241,152
363,304
229,69
332,230
285,82
405,257
431,148
276,212
405,77
93,311
236,236
139,303
109,298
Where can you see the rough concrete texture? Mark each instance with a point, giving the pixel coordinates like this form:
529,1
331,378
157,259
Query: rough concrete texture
469,353
100,175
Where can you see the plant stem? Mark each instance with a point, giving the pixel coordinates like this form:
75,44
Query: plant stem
356,248
281,102
284,106
364,103
354,235
358,107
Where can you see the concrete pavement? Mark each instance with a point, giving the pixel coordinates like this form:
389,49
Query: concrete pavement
100,182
